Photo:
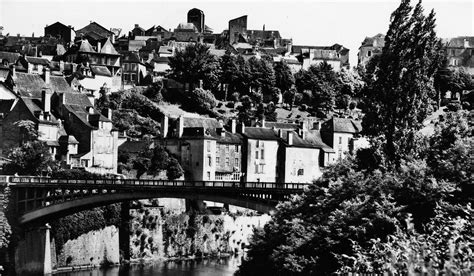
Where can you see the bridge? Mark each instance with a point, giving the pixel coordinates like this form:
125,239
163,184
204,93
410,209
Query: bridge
38,199
41,198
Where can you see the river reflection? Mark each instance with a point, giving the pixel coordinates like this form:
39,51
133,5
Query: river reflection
215,267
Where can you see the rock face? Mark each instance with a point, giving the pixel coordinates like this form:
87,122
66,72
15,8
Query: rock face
93,248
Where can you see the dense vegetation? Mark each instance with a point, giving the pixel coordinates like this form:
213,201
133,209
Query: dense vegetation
400,206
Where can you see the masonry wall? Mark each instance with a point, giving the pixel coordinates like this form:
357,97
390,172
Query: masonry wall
230,152
267,171
105,147
301,165
11,134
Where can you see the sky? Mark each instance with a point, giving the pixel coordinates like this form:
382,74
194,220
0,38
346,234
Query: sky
317,22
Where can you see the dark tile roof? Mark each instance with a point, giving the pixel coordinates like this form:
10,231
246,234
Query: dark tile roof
342,125
161,60
230,138
312,140
260,133
33,106
94,27
5,106
134,146
76,98
207,123
25,82
100,70
4,73
279,125
11,57
35,60
458,42
59,84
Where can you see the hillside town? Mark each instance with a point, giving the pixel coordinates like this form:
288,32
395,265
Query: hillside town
55,81
240,151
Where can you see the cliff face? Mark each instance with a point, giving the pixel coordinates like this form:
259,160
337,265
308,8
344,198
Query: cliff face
93,248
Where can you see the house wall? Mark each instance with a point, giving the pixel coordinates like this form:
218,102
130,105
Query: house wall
105,147
341,144
11,134
267,166
301,165
47,132
5,93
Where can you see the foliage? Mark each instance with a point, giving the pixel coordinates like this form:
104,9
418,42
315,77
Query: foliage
72,226
201,100
153,92
195,63
174,169
284,79
153,161
32,158
245,110
398,97
27,129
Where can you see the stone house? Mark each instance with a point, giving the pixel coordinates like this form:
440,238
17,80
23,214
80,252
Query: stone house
336,55
460,53
134,70
34,65
60,31
371,46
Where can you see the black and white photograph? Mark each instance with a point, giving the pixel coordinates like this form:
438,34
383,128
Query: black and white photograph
236,138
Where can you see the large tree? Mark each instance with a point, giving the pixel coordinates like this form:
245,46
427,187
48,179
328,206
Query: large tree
399,98
284,79
193,64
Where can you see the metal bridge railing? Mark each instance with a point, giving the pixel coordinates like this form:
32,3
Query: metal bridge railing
149,182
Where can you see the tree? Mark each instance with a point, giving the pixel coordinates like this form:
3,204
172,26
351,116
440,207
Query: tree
398,100
31,158
174,169
284,79
229,74
193,64
245,110
201,100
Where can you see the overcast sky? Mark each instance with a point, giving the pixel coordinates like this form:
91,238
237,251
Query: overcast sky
326,22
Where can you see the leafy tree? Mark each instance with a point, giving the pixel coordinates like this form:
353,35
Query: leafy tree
229,69
289,97
174,169
246,113
398,100
193,64
262,76
31,158
153,92
201,100
284,79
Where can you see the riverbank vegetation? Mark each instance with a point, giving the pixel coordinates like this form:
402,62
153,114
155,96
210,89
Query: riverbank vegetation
401,206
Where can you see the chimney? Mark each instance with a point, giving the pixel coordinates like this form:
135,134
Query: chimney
47,75
290,138
317,125
263,122
136,26
13,71
466,43
164,126
303,134
304,125
242,128
61,66
180,126
62,98
263,27
222,132
46,99
233,126
280,133
99,46
200,84
109,114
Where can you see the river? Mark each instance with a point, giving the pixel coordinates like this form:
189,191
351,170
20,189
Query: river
213,267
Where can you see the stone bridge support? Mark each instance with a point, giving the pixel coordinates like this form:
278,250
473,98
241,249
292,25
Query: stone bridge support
33,253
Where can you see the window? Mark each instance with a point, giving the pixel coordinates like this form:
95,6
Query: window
133,66
133,77
258,143
340,140
236,162
125,67
236,148
256,154
300,172
197,164
369,53
256,168
218,160
208,175
208,145
226,148
261,168
126,77
227,162
262,154
209,160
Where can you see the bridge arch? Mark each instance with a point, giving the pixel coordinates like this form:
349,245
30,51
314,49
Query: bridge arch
97,200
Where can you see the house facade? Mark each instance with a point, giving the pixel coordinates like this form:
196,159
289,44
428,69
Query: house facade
370,47
460,53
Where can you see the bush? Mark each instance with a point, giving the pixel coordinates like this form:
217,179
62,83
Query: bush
230,104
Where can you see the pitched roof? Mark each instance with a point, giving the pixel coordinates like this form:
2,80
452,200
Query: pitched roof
379,40
279,125
11,57
230,138
35,60
4,72
76,98
59,84
108,48
458,42
33,105
134,146
94,27
342,125
6,105
29,83
312,140
165,50
100,70
260,133
86,47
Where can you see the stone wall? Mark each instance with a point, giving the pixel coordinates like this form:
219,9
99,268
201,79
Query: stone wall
93,248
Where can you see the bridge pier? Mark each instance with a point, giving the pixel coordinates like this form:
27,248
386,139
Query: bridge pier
195,205
33,253
124,230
